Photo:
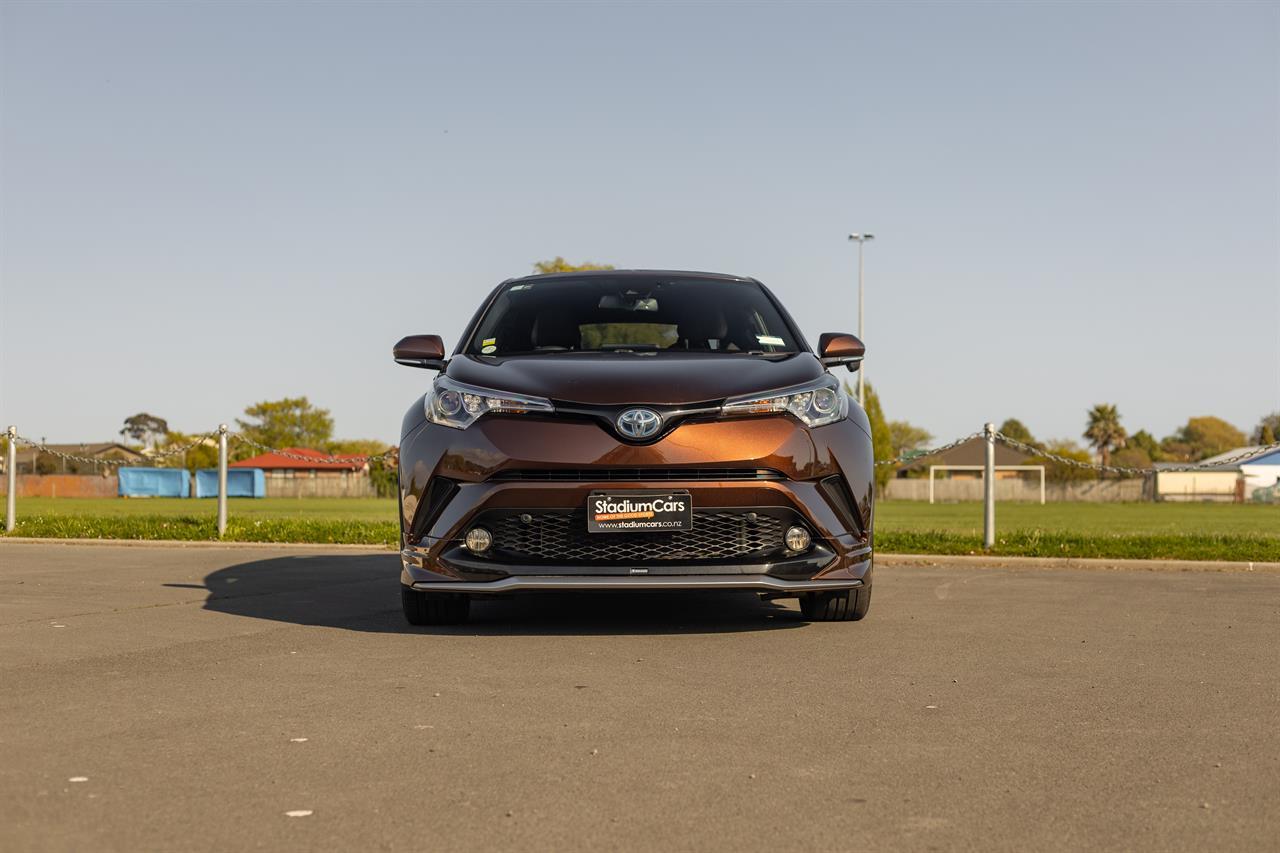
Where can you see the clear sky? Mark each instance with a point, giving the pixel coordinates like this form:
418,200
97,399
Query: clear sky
207,205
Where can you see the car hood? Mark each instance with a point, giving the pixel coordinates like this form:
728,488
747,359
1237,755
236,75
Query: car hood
619,379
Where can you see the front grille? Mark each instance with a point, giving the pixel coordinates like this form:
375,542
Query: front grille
581,475
561,537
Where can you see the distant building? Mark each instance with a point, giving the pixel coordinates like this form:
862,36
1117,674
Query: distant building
1259,472
36,460
347,475
970,457
1210,483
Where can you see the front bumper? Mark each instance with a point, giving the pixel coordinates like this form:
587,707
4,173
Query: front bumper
814,572
642,583
542,472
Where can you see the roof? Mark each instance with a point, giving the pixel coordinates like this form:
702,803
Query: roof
1201,467
587,274
972,452
274,461
95,450
1272,458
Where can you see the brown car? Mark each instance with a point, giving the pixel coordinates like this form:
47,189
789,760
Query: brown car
634,430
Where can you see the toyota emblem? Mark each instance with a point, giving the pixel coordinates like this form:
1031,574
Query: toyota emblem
639,423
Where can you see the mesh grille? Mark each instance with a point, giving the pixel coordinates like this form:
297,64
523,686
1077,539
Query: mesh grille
562,537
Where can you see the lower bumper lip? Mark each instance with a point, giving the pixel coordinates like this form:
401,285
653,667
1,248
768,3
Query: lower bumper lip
531,583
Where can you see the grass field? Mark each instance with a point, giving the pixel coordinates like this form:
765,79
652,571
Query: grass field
1151,531
337,509
1090,518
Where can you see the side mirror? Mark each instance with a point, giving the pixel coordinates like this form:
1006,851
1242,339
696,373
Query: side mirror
836,348
420,351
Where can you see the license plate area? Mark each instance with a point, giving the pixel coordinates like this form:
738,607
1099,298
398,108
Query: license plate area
635,511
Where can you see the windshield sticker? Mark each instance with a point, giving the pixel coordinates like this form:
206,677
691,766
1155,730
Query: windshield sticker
489,349
488,342
771,340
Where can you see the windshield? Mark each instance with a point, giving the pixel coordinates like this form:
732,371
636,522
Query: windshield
631,314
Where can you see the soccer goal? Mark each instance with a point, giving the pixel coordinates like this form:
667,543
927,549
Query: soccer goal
933,468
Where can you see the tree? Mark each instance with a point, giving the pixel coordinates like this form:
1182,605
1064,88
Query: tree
291,422
1267,429
1174,449
145,428
203,455
881,437
559,264
1059,472
1146,442
1131,457
383,473
358,446
1103,431
1203,437
905,437
1017,430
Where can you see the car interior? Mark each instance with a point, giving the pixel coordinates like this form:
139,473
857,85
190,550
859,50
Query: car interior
673,316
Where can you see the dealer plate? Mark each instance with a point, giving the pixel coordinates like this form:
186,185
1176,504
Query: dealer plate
639,512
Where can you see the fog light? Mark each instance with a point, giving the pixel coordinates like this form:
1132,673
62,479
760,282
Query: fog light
797,539
479,540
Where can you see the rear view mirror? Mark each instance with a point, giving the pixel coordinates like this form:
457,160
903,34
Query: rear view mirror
836,348
420,351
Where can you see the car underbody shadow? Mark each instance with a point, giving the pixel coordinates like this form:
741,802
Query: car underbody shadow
361,592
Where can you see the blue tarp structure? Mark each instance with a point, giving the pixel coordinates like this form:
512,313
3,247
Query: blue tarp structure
154,482
241,483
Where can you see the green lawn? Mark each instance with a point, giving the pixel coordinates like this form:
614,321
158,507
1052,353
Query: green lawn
1093,518
344,509
1146,531
1246,532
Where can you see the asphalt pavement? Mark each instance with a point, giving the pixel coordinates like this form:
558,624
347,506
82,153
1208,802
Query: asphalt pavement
235,699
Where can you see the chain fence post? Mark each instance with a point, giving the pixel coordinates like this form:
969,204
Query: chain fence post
989,488
222,480
11,474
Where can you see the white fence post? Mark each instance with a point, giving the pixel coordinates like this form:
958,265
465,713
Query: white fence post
11,472
222,480
989,489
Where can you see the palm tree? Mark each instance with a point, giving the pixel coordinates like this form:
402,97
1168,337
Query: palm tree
1104,431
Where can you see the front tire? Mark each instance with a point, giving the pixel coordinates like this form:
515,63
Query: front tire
844,605
434,608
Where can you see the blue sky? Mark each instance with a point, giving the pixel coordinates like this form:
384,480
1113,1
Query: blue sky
206,205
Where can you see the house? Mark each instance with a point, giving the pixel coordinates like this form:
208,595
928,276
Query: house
1259,472
43,460
967,460
1211,483
316,475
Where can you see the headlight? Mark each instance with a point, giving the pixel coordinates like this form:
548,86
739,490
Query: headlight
459,406
814,403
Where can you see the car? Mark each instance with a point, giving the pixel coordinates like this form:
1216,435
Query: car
634,430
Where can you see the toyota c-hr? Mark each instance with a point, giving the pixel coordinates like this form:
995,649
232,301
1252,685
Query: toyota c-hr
634,430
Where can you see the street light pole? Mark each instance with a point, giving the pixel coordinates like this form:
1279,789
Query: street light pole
861,239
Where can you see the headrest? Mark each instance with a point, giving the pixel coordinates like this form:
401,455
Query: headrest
707,324
555,329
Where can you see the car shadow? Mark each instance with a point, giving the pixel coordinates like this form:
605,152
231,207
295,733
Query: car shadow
361,592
